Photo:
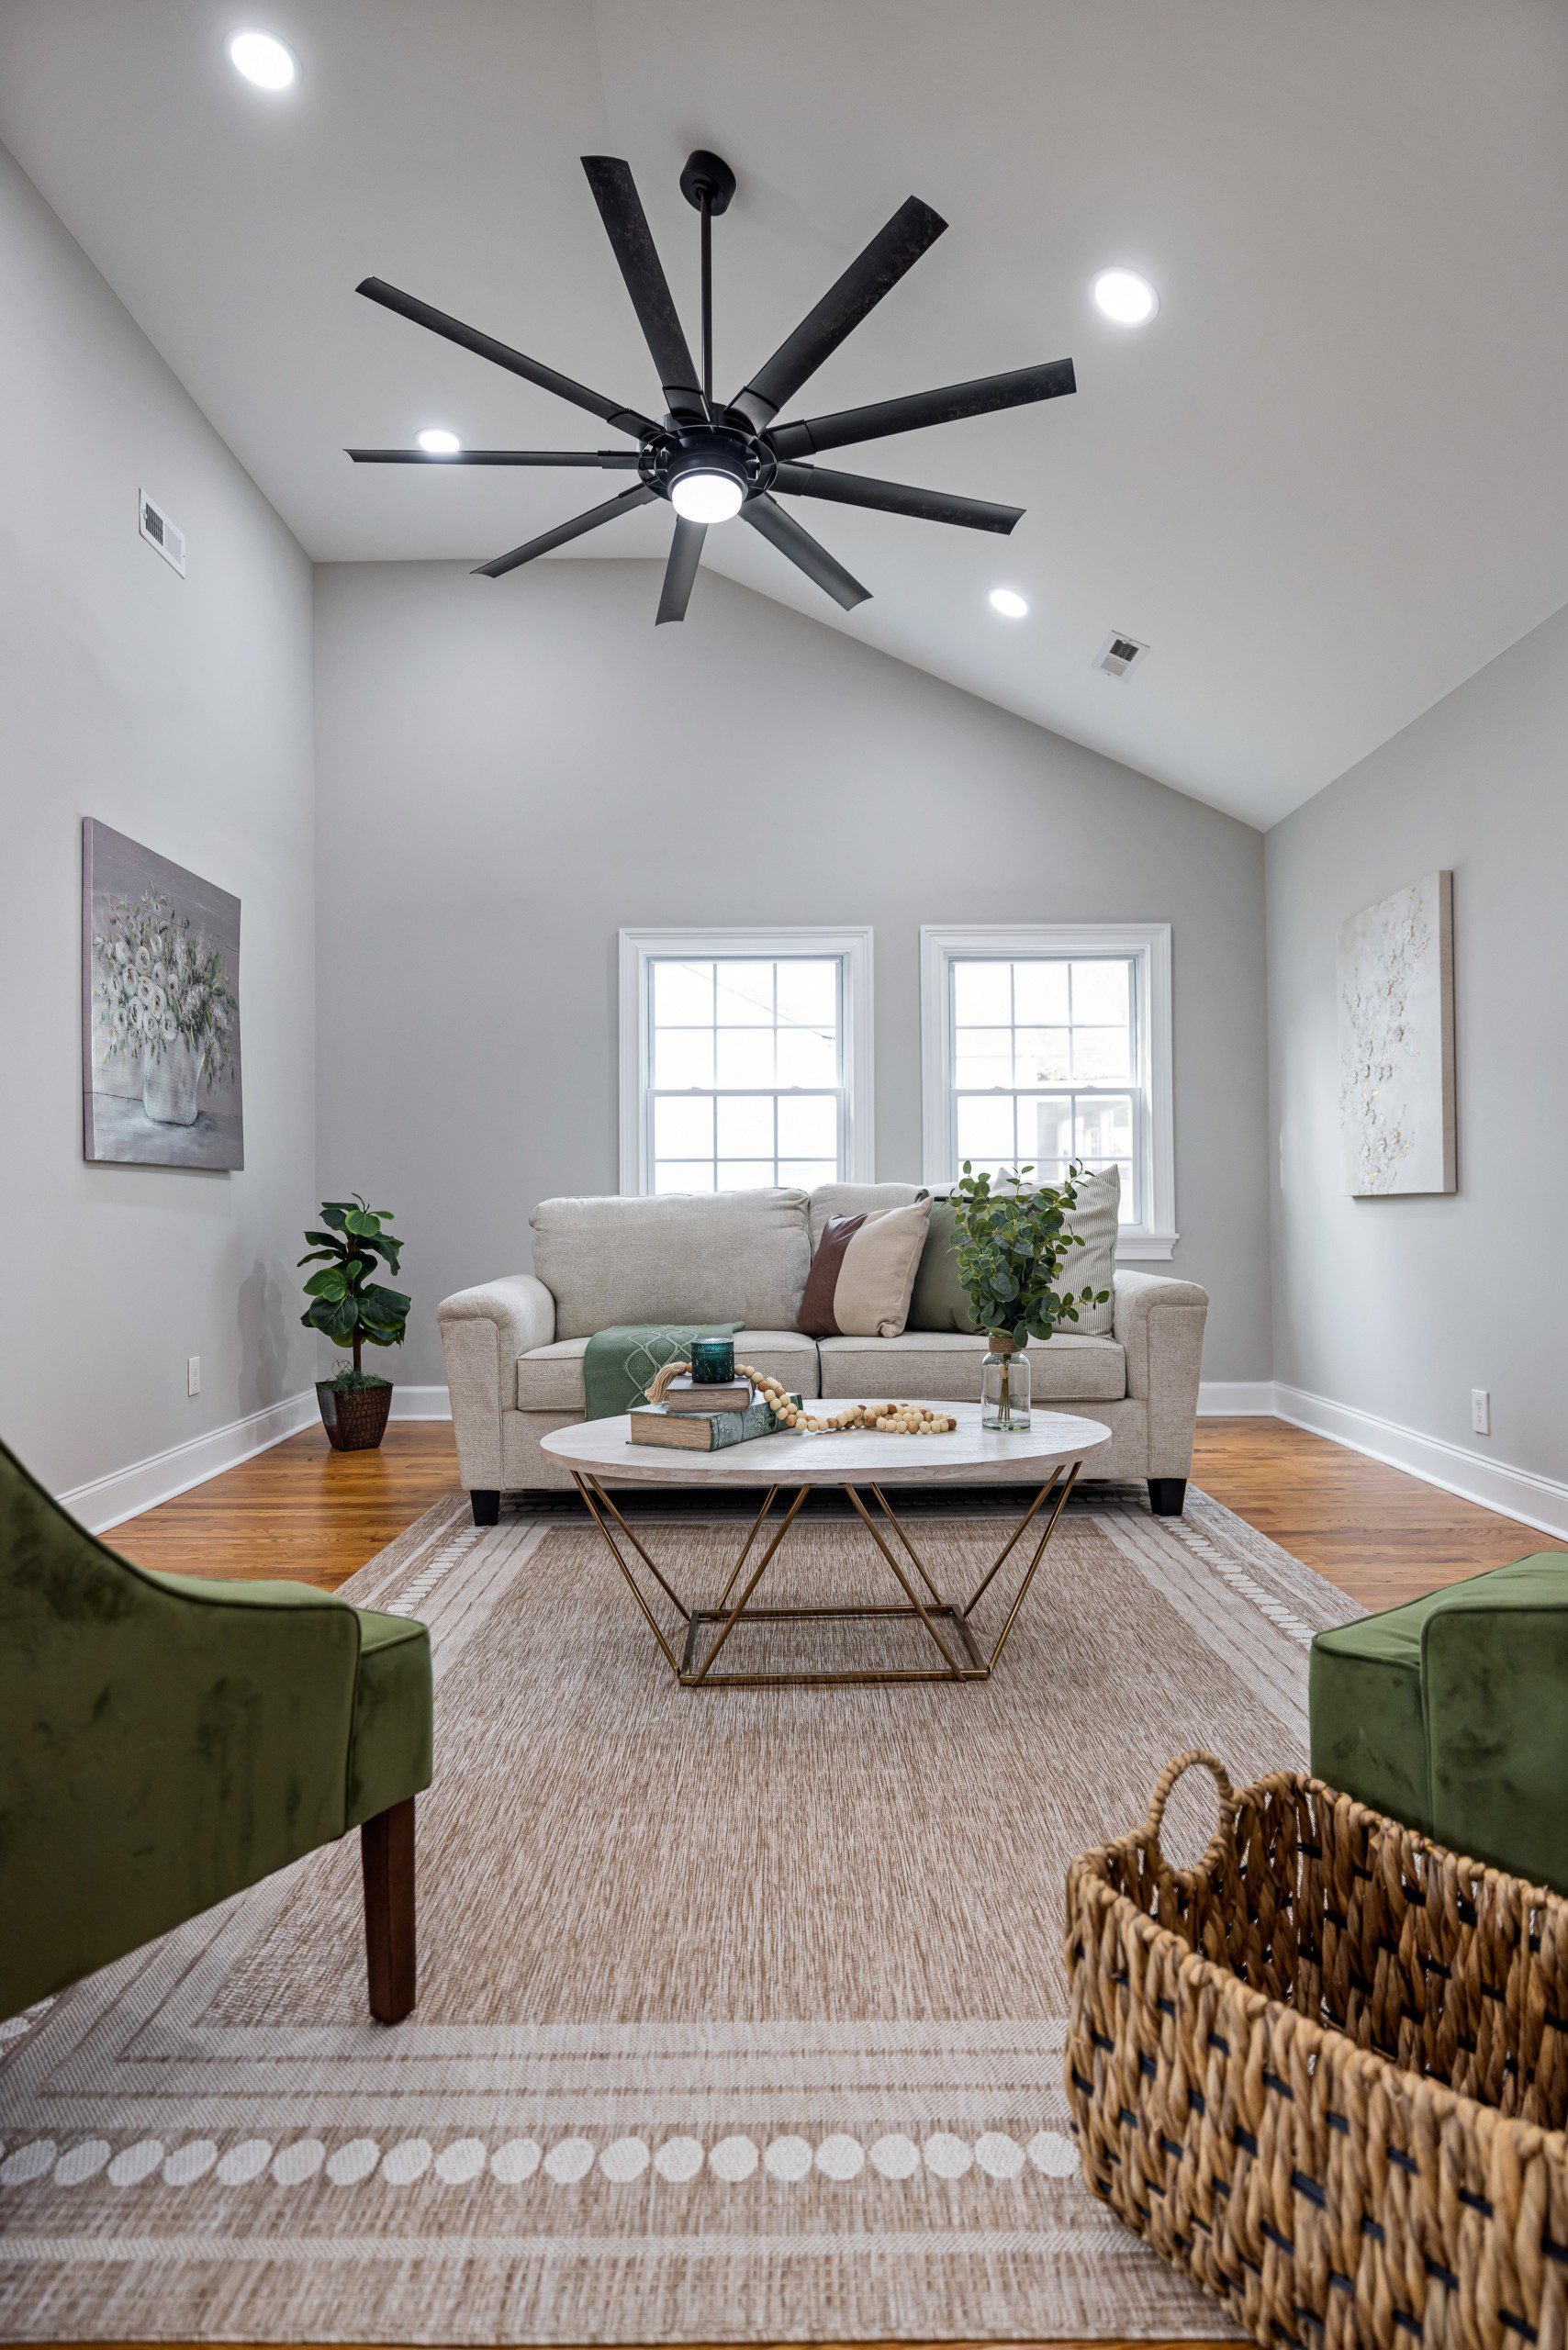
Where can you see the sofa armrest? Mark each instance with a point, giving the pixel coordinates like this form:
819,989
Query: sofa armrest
1159,1322
483,1331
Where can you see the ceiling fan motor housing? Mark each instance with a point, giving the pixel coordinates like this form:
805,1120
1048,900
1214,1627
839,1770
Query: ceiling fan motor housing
683,450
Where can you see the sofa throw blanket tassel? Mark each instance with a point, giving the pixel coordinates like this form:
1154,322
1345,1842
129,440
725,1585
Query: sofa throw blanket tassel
621,1363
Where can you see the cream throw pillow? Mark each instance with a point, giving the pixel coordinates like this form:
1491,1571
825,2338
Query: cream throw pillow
863,1274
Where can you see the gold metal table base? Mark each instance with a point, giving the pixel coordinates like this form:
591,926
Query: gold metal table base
949,1622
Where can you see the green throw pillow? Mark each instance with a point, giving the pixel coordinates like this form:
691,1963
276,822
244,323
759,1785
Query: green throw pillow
939,1303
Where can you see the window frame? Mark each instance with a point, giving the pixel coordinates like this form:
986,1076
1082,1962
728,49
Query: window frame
1147,945
639,949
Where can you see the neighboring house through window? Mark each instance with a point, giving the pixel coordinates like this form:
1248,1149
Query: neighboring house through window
1049,1044
746,1058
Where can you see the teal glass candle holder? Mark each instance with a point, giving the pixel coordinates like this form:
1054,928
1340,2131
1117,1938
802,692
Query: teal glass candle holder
712,1362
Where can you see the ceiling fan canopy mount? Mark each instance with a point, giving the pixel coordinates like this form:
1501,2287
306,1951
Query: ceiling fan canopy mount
711,459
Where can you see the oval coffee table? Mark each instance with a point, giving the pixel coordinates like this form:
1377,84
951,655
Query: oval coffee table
861,1461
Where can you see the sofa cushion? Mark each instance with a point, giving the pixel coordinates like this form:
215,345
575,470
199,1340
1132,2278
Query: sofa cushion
863,1273
938,1301
943,1367
709,1257
551,1378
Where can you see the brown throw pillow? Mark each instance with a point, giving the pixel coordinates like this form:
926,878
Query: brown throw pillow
863,1273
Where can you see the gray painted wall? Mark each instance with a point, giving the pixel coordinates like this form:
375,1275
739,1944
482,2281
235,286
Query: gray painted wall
509,772
179,711
1400,1307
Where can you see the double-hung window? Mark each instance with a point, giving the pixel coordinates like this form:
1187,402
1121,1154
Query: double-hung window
1051,1043
744,1059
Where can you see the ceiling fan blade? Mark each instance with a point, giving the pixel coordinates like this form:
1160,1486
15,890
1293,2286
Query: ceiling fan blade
613,460
789,538
875,422
680,571
638,495
485,346
626,226
895,497
894,249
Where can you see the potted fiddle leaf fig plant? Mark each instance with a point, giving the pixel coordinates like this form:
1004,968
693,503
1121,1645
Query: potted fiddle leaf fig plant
1012,1243
350,1305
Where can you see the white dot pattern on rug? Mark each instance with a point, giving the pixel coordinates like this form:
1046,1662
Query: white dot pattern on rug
734,2159
569,2160
789,2158
840,2158
626,2159
947,2157
679,2159
896,2156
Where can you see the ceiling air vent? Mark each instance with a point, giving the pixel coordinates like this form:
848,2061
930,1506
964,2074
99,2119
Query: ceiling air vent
160,532
1119,653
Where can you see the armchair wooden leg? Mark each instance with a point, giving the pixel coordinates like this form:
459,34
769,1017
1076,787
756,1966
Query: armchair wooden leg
386,1852
1167,1496
486,1505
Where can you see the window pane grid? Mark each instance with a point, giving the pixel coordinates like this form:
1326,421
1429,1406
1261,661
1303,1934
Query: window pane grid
747,1072
1042,1066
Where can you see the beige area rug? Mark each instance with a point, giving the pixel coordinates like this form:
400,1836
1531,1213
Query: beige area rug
741,2012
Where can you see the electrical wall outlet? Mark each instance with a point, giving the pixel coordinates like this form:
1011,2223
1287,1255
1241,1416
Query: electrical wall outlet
1480,1410
192,1375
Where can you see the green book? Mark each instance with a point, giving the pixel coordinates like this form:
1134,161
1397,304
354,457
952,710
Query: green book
701,1431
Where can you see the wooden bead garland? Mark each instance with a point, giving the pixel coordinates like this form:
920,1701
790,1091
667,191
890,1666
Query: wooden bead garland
887,1419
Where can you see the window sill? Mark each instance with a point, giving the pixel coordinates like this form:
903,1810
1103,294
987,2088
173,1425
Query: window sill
1134,1247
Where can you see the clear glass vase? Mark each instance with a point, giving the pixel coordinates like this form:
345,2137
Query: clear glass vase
1004,1386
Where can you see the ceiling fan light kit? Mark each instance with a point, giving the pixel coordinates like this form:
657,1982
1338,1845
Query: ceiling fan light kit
711,460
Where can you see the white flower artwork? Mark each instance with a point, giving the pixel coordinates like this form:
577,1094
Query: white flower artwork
160,1082
1397,1074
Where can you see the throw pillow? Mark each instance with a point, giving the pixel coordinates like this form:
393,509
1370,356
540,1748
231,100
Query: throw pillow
938,1301
863,1273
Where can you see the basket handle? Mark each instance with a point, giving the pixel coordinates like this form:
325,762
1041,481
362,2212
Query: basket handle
1223,1841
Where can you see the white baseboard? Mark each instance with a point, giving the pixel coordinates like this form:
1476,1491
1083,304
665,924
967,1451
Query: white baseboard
1247,1398
108,1500
420,1404
1496,1484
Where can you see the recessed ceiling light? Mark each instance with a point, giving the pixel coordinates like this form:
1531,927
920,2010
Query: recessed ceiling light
263,60
1009,603
437,442
1126,296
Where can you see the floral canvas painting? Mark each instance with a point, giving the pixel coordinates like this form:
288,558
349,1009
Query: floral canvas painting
161,1010
1397,1088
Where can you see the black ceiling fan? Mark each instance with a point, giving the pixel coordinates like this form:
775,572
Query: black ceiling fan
711,460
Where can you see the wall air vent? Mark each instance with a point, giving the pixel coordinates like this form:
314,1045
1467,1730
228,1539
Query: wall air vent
160,532
1119,653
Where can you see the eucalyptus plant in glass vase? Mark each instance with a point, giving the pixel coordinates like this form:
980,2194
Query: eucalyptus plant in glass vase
1012,1243
350,1305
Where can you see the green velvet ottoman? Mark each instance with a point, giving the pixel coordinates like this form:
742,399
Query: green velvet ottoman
1450,1713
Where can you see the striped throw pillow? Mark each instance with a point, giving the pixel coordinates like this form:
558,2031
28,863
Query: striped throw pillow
863,1274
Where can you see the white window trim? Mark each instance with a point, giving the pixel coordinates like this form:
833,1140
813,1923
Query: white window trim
1148,945
638,949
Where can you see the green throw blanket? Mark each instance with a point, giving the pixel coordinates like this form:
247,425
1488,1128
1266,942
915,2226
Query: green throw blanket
620,1363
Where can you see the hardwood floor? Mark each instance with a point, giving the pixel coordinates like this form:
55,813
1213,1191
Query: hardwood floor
302,1510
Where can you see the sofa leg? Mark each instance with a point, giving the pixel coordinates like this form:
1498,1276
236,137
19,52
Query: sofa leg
387,1855
486,1505
1167,1496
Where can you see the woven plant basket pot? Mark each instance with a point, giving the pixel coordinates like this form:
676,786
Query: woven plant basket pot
1325,2072
354,1418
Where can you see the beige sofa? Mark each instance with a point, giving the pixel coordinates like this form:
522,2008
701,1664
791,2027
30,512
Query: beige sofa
515,1346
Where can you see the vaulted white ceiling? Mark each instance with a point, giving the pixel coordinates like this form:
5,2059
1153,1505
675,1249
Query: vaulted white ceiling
1325,484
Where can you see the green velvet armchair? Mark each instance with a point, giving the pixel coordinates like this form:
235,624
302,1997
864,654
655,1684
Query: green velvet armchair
165,1741
1451,1713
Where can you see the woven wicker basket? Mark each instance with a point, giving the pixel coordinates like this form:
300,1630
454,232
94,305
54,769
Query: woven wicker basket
1325,2072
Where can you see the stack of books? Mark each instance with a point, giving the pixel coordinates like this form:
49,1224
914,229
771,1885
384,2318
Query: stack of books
700,1416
